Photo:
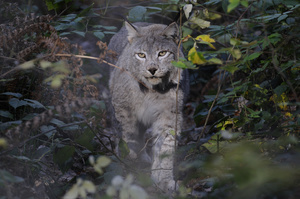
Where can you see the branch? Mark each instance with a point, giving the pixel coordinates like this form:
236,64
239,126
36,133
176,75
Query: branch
106,62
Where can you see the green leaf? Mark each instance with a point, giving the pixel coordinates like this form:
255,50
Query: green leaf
57,122
62,26
6,114
85,11
50,129
105,27
86,139
17,95
50,5
98,34
275,38
110,27
123,148
79,33
137,13
63,157
244,3
282,17
184,64
6,125
14,102
35,104
230,68
232,5
8,177
179,64
253,56
253,114
215,61
68,18
280,89
260,69
109,32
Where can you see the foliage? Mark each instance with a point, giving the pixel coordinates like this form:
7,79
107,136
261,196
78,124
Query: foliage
244,61
255,103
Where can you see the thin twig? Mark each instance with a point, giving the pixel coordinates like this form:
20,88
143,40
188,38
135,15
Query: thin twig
106,62
177,88
220,82
111,151
212,105
148,140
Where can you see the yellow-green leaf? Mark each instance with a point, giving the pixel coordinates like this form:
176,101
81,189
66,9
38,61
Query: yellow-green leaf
236,53
215,61
172,132
232,5
72,193
27,65
234,41
61,67
103,161
200,22
213,16
57,81
196,57
3,143
89,186
230,68
206,40
281,100
244,3
45,64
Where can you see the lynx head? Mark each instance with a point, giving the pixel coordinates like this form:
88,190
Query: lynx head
151,50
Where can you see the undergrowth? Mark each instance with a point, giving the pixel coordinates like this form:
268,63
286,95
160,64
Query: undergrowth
242,116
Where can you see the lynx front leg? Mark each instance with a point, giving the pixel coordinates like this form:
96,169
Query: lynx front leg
133,135
163,153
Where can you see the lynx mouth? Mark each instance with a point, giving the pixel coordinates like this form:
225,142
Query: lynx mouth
154,80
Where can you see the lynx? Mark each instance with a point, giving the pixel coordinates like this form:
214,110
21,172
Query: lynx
146,97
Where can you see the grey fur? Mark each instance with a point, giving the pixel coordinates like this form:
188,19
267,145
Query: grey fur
142,100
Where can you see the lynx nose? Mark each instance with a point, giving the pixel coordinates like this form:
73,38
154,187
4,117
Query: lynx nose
152,70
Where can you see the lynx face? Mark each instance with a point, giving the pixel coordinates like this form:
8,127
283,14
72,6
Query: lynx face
153,48
153,65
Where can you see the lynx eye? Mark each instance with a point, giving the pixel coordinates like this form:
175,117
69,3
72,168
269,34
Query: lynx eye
141,55
162,53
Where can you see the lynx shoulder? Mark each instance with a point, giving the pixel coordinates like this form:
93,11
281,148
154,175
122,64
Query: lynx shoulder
147,97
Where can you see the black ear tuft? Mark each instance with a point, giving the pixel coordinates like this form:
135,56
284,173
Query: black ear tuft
132,31
171,31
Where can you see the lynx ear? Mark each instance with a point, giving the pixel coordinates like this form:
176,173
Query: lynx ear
171,31
132,32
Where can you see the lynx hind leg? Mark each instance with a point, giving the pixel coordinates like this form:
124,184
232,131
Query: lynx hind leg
163,161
